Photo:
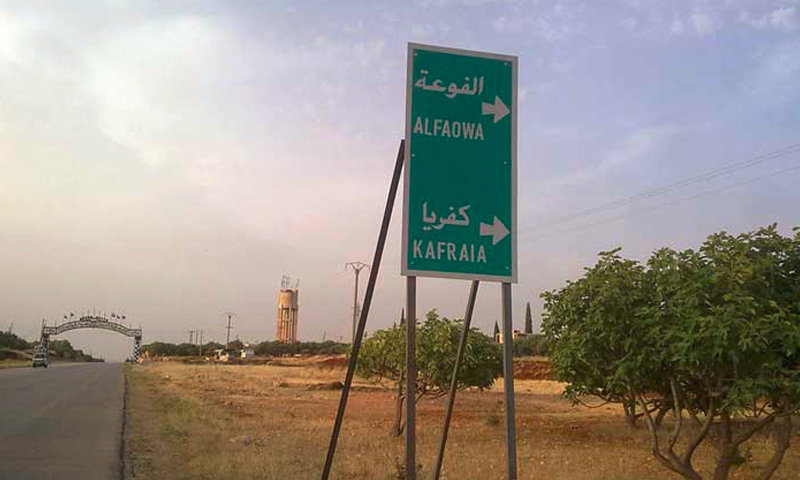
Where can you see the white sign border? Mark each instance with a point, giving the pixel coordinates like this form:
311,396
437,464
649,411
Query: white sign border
404,270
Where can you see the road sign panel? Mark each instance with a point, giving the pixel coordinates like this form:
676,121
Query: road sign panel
460,192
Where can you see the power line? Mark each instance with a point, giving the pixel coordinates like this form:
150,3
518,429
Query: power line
677,200
357,267
659,191
230,315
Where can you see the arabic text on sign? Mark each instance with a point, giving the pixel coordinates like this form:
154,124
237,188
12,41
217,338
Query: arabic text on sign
471,86
462,220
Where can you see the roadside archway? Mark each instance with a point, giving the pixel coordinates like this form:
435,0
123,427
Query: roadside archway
96,322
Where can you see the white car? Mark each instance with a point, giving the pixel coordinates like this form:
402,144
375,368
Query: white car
39,358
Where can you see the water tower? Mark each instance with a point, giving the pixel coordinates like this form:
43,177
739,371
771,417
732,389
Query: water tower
286,321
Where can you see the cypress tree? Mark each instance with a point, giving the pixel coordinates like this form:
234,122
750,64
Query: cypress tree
528,319
496,329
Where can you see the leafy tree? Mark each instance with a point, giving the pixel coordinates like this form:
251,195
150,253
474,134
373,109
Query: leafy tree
591,321
270,348
158,349
528,319
712,336
531,345
383,357
13,342
277,349
64,349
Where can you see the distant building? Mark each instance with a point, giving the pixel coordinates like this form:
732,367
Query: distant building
286,322
247,352
498,337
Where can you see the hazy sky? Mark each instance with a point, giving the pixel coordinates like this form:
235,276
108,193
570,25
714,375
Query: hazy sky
171,160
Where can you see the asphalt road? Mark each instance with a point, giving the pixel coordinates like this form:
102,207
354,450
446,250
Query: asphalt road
63,422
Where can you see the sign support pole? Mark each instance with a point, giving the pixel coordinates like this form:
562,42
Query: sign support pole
451,399
411,378
508,383
362,321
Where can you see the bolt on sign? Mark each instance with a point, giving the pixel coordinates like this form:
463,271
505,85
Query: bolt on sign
460,189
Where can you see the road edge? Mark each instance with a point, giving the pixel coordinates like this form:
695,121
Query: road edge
126,465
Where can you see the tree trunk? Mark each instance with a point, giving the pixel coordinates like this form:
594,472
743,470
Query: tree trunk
783,433
726,448
662,412
724,462
630,412
399,425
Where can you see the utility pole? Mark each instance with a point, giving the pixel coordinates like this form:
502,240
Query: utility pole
230,315
357,267
200,345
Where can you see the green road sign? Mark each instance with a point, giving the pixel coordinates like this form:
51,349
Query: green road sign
460,197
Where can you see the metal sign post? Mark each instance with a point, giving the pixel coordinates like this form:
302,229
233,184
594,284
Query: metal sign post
451,398
411,378
508,383
362,321
460,196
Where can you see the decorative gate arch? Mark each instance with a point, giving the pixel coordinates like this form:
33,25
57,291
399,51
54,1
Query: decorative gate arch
94,322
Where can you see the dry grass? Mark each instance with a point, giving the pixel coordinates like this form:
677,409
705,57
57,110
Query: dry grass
14,363
248,422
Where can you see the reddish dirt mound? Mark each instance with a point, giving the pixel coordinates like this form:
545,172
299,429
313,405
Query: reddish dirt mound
533,370
333,362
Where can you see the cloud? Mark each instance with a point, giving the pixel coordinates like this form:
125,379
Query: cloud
676,28
629,22
504,24
13,33
152,78
558,23
638,145
777,75
458,3
783,19
704,23
422,31
758,23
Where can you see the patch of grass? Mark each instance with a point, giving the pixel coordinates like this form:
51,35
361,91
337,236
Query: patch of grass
493,420
14,364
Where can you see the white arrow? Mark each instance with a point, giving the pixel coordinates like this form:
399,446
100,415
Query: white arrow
497,230
498,109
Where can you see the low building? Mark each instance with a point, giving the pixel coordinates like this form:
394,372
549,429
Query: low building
498,337
222,355
247,352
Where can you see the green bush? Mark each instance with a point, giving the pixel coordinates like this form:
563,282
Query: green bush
13,342
711,335
277,349
534,345
269,348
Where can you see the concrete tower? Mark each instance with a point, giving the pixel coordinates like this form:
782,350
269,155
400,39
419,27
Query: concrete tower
286,322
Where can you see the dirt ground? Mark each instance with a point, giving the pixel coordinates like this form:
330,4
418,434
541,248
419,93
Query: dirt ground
274,422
